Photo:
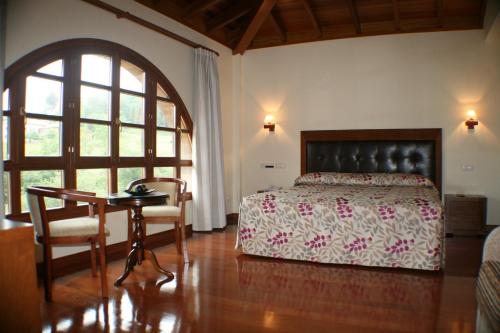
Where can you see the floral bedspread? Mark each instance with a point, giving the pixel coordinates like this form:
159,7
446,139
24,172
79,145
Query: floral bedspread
386,226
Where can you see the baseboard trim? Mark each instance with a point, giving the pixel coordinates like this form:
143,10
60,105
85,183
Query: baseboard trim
232,219
79,261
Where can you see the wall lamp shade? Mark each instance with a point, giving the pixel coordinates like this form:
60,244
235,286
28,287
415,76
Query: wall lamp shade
471,121
269,123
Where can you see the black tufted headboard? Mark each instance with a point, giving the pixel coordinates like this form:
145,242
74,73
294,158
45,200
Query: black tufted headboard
386,150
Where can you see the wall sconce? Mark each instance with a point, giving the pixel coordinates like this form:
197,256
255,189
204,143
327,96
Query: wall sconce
269,123
472,119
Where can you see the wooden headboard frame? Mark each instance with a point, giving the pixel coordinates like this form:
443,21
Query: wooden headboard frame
374,135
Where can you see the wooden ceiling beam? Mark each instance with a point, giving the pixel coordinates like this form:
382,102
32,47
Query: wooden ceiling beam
197,7
234,35
397,21
439,12
258,19
354,13
278,27
312,17
232,14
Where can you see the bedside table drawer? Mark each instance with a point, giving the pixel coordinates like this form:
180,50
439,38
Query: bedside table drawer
465,214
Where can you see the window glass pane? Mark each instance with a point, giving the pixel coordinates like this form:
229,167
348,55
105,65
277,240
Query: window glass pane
6,191
131,77
6,100
94,140
164,172
186,150
96,68
51,178
43,96
186,174
93,180
131,141
131,109
5,138
126,175
165,114
95,103
165,144
42,137
54,68
160,92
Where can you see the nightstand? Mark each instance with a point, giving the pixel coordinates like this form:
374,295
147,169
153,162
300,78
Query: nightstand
465,215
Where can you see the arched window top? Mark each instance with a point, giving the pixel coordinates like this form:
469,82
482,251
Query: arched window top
93,115
50,60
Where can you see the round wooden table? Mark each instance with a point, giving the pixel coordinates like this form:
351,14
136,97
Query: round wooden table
138,253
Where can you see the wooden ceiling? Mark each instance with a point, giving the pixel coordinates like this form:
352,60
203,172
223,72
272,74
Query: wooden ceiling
250,24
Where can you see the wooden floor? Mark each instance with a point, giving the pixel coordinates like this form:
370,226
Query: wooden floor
223,290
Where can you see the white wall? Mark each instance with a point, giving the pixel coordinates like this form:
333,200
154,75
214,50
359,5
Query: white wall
394,81
34,23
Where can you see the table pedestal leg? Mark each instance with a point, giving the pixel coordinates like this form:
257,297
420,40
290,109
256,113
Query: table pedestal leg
151,256
139,253
129,266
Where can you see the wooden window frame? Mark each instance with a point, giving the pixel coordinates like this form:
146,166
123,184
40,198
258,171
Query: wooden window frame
70,160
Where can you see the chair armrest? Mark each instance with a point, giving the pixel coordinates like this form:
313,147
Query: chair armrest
69,195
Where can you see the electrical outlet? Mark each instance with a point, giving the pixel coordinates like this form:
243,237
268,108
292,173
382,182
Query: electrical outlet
467,168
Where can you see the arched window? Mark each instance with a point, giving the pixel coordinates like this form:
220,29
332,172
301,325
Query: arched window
92,115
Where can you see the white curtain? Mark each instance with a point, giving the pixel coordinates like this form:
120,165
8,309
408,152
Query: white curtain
208,173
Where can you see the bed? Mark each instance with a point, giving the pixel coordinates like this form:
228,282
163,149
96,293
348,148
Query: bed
365,197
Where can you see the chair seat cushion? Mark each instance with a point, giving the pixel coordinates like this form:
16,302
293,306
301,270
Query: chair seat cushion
79,226
161,210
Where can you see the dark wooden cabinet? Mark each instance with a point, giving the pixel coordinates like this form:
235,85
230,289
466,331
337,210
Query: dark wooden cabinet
465,214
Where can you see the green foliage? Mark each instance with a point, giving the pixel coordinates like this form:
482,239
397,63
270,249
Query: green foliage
6,191
164,171
131,109
95,103
126,175
93,180
94,140
42,138
131,141
51,178
165,143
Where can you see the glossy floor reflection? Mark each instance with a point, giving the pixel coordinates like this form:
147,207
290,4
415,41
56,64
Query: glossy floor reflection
225,291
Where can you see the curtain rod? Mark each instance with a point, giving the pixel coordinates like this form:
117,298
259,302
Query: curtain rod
123,14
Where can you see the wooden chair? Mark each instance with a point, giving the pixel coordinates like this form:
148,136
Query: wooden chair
162,214
69,231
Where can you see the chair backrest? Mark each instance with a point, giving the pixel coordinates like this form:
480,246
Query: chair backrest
36,203
173,186
35,213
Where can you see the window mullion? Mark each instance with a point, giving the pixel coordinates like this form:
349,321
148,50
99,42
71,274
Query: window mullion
71,110
17,141
115,121
177,140
149,124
